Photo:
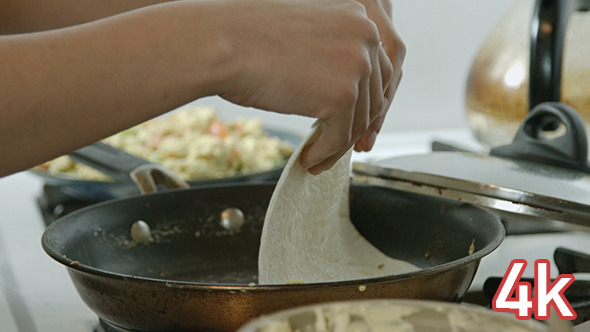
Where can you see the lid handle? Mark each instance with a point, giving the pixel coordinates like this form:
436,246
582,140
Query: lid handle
554,134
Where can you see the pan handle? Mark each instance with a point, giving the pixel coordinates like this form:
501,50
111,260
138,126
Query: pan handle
127,168
533,141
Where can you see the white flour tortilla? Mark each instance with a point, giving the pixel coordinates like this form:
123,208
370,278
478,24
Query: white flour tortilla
308,236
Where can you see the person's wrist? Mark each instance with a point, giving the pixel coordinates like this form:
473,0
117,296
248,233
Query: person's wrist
211,53
223,54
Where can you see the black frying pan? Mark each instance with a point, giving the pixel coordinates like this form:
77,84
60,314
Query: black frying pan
198,276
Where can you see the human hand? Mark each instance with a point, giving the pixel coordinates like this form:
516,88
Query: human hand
321,59
380,12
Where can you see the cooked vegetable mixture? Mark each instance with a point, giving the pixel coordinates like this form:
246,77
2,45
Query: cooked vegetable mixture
194,143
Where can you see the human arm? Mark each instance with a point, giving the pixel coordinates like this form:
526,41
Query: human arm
70,87
66,88
18,16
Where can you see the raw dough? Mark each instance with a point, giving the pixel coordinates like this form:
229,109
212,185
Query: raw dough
308,235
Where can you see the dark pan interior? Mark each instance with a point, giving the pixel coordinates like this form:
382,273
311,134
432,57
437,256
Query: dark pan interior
190,245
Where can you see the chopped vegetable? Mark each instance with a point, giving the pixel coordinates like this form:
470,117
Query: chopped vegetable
194,143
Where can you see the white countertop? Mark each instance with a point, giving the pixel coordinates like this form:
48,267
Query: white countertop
36,294
35,287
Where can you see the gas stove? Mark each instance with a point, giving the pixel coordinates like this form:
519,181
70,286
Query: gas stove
36,294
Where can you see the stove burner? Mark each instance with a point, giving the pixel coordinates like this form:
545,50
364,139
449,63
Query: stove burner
567,262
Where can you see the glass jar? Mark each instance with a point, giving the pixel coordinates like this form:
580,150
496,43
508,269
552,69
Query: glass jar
497,90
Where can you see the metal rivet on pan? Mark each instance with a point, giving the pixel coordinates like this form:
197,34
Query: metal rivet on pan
232,219
140,232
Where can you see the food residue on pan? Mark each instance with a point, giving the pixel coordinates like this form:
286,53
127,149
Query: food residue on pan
344,318
294,282
140,234
394,317
472,247
206,224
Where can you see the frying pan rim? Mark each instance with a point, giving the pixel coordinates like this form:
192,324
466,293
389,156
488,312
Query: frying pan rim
80,267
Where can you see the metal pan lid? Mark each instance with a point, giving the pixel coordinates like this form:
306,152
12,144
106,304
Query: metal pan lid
535,176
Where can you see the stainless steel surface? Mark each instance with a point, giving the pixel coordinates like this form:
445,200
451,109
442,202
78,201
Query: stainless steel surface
36,294
517,186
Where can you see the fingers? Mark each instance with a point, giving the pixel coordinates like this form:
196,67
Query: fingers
327,163
354,109
380,12
387,69
367,140
332,143
386,75
379,80
342,130
382,78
